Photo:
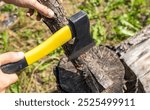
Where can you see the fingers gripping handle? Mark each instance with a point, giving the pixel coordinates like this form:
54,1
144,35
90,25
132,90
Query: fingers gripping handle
14,67
56,40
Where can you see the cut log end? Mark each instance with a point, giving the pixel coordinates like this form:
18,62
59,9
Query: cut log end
102,71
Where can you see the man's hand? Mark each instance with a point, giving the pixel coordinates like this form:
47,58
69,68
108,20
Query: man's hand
6,79
32,4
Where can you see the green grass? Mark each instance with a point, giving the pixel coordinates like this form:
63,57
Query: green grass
116,20
4,40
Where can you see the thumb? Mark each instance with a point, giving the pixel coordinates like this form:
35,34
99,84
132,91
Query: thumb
42,9
11,57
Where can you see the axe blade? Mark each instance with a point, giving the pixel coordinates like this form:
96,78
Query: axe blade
80,26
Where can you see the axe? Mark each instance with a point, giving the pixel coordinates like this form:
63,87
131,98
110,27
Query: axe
77,29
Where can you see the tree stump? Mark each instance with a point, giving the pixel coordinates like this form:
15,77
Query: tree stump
101,71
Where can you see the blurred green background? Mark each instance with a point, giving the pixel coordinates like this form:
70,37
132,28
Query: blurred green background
112,21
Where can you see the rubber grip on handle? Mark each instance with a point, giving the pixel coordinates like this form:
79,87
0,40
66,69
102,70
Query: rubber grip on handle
14,67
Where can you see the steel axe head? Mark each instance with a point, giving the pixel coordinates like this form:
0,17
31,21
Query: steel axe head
80,26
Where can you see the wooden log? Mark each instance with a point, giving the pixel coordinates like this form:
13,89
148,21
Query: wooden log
98,70
135,53
102,71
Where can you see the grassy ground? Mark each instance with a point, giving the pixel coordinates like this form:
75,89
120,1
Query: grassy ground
111,22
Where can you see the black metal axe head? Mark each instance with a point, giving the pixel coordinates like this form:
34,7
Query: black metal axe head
80,26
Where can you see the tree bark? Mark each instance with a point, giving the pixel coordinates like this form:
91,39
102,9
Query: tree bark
98,70
135,53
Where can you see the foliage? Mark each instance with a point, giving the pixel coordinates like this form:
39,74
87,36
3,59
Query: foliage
8,8
4,39
116,19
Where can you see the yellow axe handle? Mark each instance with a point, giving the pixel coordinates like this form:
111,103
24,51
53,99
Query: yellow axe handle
56,40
